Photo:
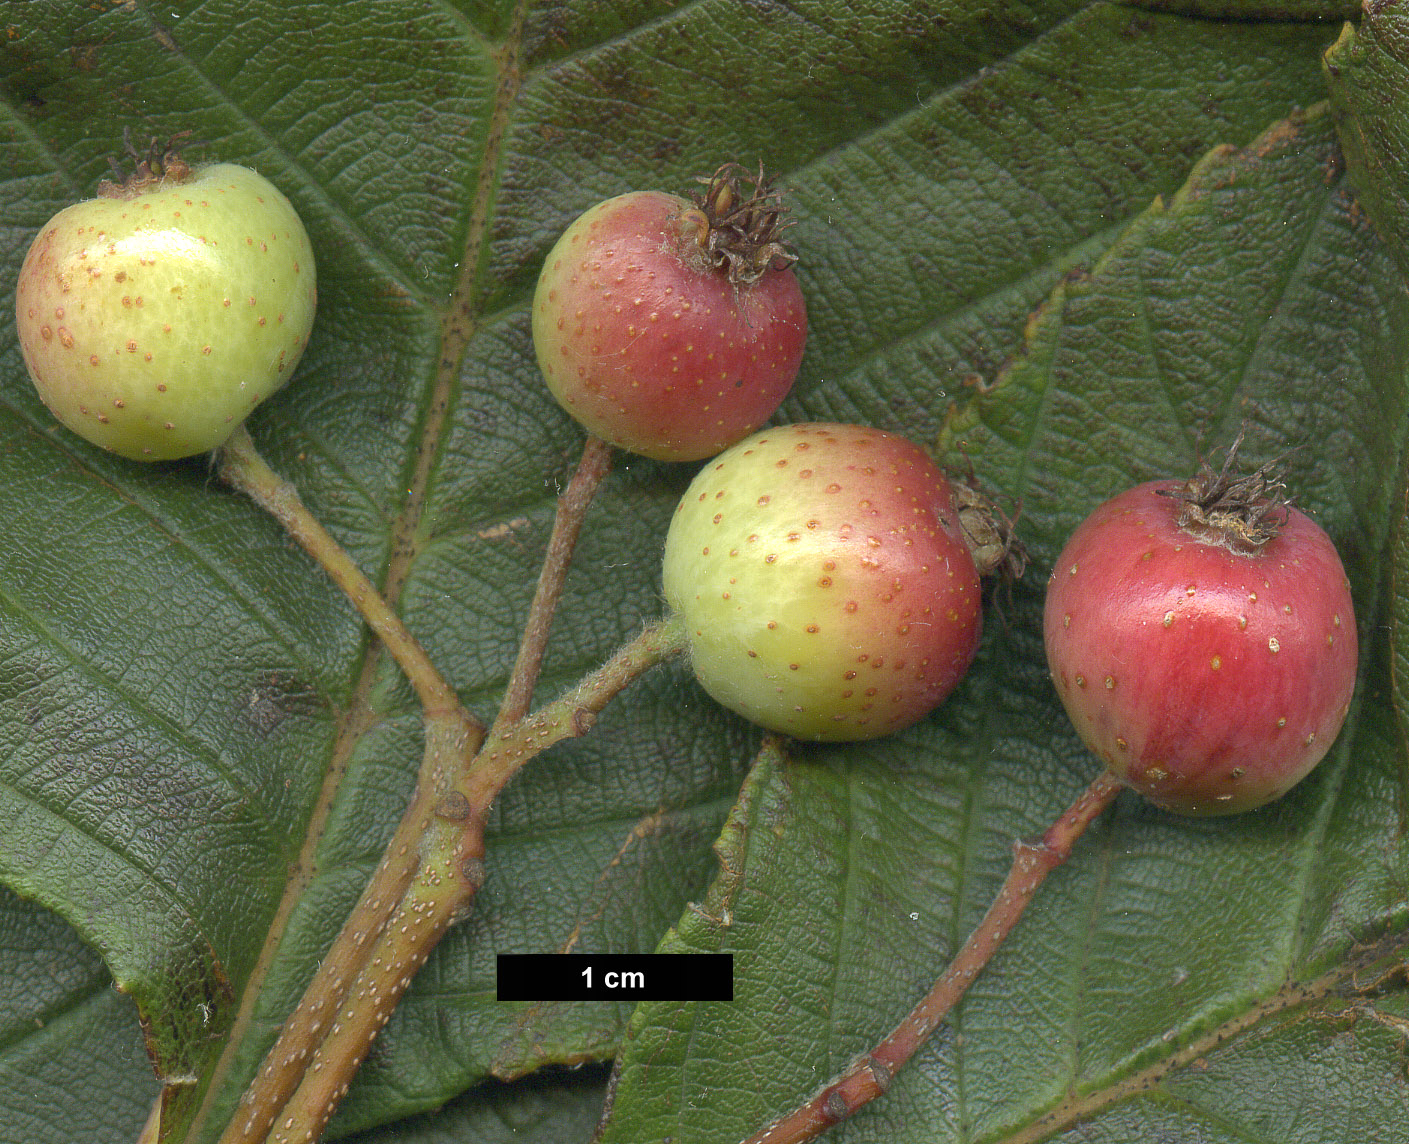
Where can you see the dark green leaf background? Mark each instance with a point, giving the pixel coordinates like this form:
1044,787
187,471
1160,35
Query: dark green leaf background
1072,245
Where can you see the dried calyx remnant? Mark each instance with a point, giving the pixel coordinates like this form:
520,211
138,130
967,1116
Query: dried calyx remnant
1240,512
160,163
991,535
738,229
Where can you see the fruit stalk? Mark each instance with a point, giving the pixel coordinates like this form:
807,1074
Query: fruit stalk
448,742
241,466
567,525
870,1074
568,717
420,920
296,1094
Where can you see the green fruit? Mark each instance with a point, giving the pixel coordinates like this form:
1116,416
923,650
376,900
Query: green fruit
154,318
824,582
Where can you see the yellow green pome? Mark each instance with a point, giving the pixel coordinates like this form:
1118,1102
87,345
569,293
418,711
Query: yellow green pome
154,319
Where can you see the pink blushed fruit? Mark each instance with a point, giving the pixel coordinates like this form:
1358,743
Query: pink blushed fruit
824,581
669,328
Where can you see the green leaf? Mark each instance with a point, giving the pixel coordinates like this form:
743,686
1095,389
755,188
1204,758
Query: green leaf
72,1066
1254,9
1178,977
202,753
1367,71
543,1109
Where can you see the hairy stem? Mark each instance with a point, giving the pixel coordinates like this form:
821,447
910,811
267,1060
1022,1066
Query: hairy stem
433,866
870,1074
569,716
419,922
449,740
241,466
449,874
452,734
567,524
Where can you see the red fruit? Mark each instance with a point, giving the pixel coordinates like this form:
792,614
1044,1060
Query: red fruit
824,581
668,328
1202,637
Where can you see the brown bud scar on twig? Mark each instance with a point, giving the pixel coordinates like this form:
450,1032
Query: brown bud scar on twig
453,806
474,872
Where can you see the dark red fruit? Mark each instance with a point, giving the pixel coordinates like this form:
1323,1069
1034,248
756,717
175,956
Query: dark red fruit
670,328
1202,637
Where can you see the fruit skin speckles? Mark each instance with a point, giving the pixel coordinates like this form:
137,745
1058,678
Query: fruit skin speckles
1216,679
652,350
824,582
152,323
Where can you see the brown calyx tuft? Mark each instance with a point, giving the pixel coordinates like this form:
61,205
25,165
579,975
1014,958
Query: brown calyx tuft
739,230
1241,513
161,164
989,533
